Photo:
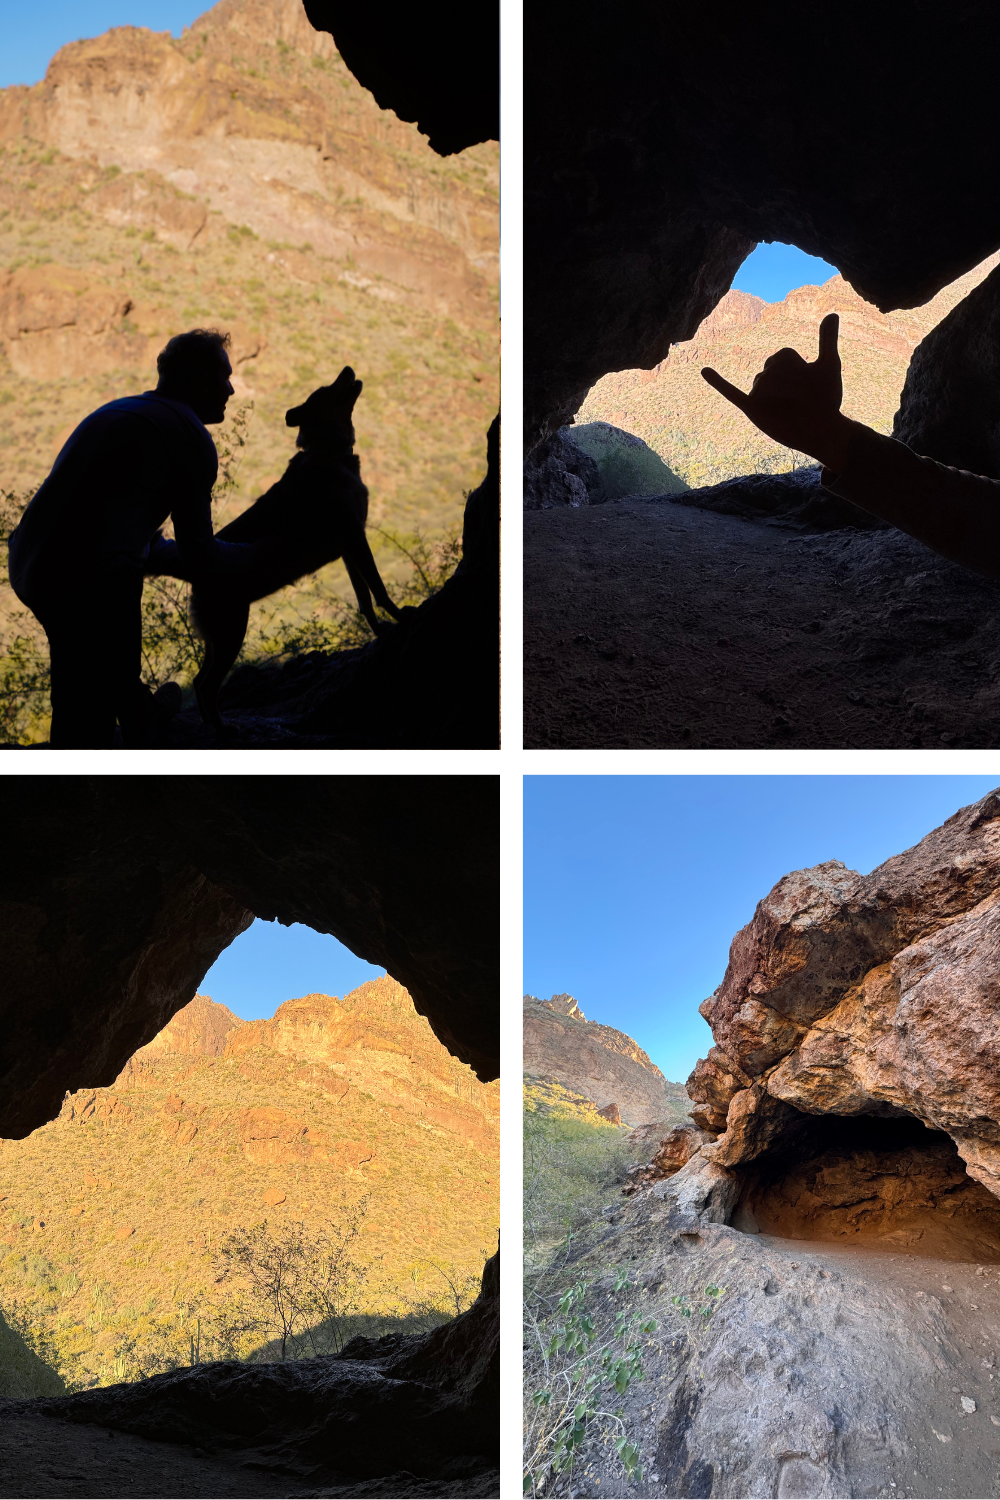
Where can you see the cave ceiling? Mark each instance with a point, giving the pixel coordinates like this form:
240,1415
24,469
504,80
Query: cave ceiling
662,144
117,895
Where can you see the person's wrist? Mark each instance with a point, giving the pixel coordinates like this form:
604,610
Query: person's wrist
833,442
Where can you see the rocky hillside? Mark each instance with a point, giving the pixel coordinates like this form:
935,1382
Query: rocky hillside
596,1061
241,177
334,1109
703,438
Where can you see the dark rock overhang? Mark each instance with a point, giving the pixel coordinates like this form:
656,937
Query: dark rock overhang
117,895
662,145
436,65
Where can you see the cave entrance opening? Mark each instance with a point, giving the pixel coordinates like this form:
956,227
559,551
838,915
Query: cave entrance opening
872,1182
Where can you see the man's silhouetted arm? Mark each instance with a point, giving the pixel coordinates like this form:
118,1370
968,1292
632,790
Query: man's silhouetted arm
798,404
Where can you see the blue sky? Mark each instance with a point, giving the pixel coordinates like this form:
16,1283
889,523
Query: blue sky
270,964
771,271
33,33
635,885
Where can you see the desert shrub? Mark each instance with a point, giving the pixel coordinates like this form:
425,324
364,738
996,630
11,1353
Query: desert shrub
582,1352
27,1363
573,1161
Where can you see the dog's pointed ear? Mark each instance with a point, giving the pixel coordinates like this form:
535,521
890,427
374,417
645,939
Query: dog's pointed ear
293,417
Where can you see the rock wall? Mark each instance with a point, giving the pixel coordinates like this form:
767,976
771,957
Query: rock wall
949,406
199,1029
596,1061
660,150
876,995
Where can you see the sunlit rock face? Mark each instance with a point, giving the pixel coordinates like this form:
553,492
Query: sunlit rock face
875,995
117,897
660,149
599,1062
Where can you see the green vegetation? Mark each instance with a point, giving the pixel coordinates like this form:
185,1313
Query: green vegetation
581,1357
240,1206
23,1372
574,1164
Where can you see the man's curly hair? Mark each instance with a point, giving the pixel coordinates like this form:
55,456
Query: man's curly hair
189,355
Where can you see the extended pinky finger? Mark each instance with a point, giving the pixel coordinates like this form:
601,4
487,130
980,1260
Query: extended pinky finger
731,392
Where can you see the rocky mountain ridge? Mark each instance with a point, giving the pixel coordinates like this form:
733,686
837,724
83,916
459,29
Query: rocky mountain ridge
111,1212
704,439
239,175
597,1061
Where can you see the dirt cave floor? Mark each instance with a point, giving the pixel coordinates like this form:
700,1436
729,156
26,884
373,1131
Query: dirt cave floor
830,1370
50,1457
657,623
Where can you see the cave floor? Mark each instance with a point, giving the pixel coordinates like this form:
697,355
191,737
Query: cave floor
831,1368
47,1458
649,624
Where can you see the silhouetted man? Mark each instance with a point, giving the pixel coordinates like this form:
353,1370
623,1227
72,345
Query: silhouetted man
78,555
797,402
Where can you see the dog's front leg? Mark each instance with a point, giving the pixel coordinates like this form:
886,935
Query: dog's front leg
364,597
369,569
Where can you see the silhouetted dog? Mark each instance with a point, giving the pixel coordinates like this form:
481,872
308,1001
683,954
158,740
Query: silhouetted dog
313,515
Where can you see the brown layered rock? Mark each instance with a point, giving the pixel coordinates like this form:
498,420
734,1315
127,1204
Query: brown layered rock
819,931
199,1029
873,995
253,115
712,1084
599,1062
674,1151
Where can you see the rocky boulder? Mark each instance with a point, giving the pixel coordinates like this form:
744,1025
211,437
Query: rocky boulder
875,995
949,407
558,473
674,1151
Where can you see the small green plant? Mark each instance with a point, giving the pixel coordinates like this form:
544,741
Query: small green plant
579,1361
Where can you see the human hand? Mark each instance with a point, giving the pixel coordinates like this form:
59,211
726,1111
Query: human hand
797,402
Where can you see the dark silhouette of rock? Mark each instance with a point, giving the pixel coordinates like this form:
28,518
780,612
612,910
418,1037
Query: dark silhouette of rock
949,407
438,66
649,177
427,1403
796,498
557,474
